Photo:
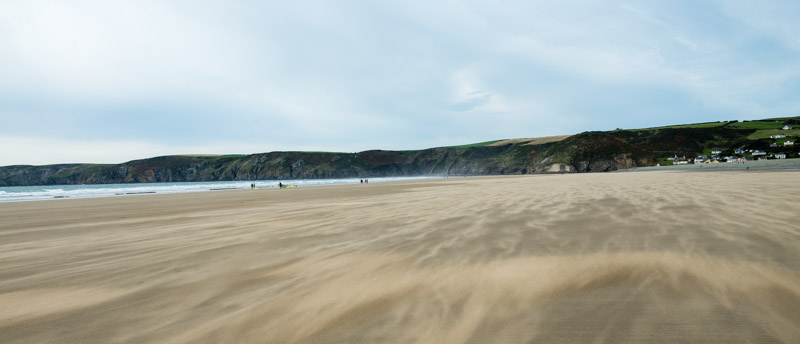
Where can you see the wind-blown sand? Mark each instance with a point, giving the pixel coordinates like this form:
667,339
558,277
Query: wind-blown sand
616,257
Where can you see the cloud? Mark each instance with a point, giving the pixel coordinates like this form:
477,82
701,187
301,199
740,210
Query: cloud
393,75
467,93
44,150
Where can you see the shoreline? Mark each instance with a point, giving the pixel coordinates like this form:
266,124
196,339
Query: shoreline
12,194
139,189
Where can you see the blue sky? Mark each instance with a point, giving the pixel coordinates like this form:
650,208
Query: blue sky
112,81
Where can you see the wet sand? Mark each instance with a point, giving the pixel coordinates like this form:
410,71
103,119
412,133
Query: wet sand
615,257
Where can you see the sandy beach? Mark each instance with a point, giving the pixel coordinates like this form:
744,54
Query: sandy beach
659,256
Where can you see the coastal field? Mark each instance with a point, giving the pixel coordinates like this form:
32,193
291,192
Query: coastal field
657,256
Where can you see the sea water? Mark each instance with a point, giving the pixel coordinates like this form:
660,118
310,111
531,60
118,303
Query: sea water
46,192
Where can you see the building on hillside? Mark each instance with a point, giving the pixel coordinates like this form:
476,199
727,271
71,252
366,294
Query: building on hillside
773,145
779,156
788,143
779,136
759,152
716,151
739,151
787,126
677,157
680,162
700,159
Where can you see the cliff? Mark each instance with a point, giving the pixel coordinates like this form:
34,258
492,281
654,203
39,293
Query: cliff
278,165
584,152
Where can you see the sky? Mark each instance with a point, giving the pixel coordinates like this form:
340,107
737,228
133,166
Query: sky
111,81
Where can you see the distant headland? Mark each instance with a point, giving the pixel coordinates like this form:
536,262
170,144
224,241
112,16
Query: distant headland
593,151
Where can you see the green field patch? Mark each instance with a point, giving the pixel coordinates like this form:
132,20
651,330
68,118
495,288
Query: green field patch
682,126
757,125
766,133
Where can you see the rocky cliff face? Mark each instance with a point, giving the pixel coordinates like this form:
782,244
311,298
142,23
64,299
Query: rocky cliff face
585,152
278,165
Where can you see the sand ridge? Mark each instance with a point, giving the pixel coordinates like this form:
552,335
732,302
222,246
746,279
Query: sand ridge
615,257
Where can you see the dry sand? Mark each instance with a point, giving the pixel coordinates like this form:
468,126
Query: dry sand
616,257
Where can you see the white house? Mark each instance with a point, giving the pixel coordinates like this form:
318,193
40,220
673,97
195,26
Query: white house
788,143
739,151
716,151
787,126
773,145
677,157
759,152
700,159
780,156
680,162
779,136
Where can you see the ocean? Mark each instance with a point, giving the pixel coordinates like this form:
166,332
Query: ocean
49,192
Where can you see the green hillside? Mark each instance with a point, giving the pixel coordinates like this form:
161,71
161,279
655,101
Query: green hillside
594,151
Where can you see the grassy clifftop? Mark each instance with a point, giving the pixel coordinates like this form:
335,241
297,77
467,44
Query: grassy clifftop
585,152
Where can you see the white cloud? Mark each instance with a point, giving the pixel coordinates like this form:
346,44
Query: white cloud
44,151
467,91
105,51
393,75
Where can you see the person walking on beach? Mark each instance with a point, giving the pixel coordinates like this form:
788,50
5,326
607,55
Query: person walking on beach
280,185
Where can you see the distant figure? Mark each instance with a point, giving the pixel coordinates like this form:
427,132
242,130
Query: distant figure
280,185
362,181
366,181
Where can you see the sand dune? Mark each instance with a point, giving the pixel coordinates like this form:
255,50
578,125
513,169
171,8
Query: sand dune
616,257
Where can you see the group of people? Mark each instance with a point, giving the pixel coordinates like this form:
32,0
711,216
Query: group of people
280,185
283,186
